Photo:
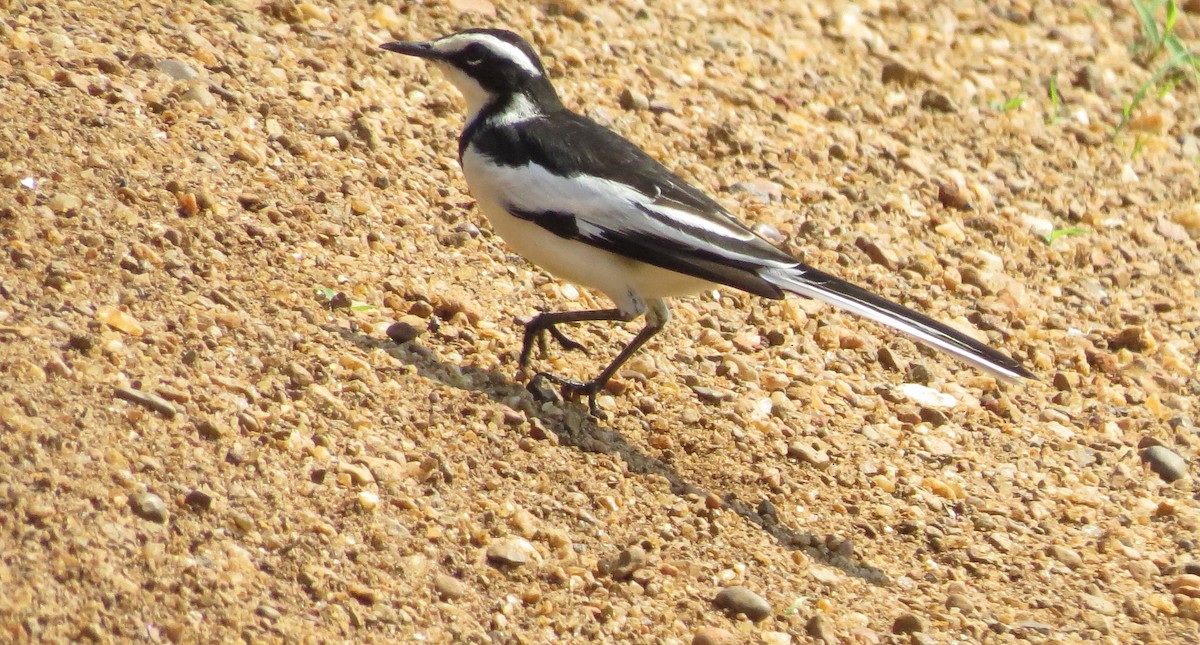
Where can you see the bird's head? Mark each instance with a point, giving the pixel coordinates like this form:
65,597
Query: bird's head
484,64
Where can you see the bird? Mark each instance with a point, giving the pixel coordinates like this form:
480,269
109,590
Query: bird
592,208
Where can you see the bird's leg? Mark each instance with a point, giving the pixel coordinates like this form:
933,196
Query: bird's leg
546,322
656,318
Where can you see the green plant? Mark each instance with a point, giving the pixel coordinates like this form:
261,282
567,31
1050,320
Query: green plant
1154,36
1010,104
1056,106
1158,38
796,605
1062,232
1138,144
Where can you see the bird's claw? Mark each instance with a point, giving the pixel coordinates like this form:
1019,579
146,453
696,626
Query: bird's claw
540,335
565,341
571,390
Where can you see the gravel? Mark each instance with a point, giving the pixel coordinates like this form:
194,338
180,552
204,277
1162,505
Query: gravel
197,449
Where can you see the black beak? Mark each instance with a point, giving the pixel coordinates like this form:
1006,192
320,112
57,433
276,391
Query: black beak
420,50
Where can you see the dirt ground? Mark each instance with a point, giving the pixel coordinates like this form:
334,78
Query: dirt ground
198,446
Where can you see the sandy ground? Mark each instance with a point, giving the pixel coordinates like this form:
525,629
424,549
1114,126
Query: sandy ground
197,446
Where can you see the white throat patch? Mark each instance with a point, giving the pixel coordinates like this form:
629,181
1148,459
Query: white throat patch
521,109
472,92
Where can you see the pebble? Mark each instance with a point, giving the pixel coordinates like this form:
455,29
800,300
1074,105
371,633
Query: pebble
1135,339
38,511
632,99
889,360
63,203
908,623
714,636
952,196
448,587
838,115
198,500
935,418
119,320
1067,556
901,74
935,101
362,593
1142,570
927,396
763,191
359,475
879,254
937,446
148,506
1066,381
198,93
1166,463
299,375
543,390
58,367
177,70
267,611
368,500
174,631
627,562
1098,604
775,638
409,327
247,153
1186,584
960,602
1089,77
511,551
815,457
951,231
821,630
147,400
918,373
711,394
740,600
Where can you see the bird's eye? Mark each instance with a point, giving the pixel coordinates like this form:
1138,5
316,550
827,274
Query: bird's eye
474,54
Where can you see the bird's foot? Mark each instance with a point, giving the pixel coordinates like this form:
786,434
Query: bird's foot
571,390
536,332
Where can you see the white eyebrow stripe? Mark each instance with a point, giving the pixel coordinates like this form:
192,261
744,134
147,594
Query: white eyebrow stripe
457,42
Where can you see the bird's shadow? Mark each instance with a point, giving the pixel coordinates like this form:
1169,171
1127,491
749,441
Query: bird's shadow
578,429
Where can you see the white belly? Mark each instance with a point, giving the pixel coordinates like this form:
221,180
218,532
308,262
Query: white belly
627,282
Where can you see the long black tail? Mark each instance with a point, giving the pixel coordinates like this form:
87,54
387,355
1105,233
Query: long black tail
806,281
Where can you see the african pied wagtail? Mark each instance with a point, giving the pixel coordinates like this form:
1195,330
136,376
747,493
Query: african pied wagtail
590,207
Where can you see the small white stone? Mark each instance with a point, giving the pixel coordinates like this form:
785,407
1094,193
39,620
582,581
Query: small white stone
368,500
927,396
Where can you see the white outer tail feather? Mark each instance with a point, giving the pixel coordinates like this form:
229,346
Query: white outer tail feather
901,319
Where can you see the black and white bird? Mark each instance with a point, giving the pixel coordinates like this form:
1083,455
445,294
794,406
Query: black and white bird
585,204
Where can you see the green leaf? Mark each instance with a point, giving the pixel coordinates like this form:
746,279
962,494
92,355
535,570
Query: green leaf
1062,232
1150,31
325,293
1010,104
796,605
1055,100
361,306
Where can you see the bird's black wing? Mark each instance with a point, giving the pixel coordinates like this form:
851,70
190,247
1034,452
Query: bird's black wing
600,188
